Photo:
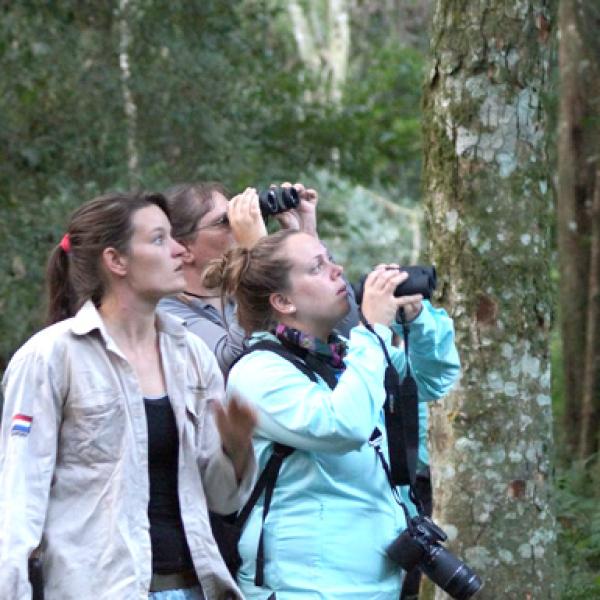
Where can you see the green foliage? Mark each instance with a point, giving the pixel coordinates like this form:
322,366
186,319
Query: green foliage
578,515
381,118
578,503
219,92
362,228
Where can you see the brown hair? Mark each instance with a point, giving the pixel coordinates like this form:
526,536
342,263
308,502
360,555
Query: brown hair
252,276
74,275
188,203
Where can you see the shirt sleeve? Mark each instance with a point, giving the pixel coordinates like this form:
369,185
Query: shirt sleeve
28,440
432,352
224,493
310,416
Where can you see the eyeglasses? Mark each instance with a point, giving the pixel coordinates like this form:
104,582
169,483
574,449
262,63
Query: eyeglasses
222,221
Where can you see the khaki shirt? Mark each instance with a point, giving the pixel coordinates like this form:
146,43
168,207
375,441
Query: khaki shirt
74,463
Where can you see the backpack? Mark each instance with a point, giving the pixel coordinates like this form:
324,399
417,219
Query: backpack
227,530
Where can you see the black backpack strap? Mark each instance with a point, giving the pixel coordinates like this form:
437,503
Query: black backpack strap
266,480
284,351
268,477
280,451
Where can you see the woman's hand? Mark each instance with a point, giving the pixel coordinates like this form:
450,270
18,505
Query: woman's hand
379,305
236,422
245,218
304,217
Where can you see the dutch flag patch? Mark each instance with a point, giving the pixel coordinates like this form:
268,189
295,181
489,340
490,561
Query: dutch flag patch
21,425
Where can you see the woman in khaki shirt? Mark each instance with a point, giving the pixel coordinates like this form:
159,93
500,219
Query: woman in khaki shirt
114,440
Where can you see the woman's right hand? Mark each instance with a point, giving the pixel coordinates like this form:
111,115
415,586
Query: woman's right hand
379,305
245,218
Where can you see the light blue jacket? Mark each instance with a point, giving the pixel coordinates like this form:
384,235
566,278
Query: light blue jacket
332,513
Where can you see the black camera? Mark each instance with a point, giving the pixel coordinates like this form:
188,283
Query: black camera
422,280
277,199
417,546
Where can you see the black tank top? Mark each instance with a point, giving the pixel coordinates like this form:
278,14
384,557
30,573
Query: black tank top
170,551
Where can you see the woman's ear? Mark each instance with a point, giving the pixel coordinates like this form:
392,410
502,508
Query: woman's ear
114,261
187,256
282,304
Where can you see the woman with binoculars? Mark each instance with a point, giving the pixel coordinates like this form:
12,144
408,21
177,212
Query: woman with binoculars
207,224
332,512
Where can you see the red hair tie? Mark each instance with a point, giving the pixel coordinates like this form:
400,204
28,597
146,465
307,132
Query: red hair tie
65,243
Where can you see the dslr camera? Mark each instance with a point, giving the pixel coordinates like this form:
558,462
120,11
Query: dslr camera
418,546
422,280
277,200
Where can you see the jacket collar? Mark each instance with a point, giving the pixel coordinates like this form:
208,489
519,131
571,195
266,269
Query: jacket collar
88,319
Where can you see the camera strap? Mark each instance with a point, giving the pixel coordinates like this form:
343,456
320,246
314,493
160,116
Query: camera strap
401,410
375,443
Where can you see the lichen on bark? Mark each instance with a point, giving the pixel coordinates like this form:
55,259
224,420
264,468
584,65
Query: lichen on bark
489,215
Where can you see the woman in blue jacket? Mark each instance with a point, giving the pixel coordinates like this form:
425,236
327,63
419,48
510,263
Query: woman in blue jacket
332,513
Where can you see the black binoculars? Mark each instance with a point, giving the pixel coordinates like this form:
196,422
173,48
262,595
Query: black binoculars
277,200
421,280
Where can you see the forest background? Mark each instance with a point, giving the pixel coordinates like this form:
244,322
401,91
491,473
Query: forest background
145,93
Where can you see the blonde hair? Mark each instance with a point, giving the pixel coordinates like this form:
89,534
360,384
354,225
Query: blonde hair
251,276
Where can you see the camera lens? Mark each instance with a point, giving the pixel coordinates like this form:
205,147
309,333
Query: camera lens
450,573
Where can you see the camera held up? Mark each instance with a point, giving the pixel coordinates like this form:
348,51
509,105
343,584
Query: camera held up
277,200
422,280
418,546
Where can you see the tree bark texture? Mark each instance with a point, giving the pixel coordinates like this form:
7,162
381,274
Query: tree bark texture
489,212
578,183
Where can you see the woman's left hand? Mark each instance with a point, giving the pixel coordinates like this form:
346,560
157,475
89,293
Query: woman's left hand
236,422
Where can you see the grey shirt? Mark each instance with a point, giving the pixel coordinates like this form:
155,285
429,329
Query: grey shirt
222,333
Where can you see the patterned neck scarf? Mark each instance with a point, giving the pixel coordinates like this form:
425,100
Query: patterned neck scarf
332,351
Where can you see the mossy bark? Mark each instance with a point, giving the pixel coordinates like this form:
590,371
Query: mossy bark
489,213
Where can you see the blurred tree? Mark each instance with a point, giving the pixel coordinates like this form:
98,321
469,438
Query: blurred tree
101,96
579,221
406,21
322,32
489,215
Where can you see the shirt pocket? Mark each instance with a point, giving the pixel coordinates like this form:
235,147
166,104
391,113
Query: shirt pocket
93,430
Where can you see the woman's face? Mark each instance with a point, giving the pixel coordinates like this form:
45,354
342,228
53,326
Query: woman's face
213,233
154,263
317,290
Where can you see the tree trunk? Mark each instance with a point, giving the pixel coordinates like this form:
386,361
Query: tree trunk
323,44
129,105
489,214
578,164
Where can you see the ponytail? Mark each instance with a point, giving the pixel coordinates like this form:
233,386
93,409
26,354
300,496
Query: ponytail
60,293
251,276
73,273
228,271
